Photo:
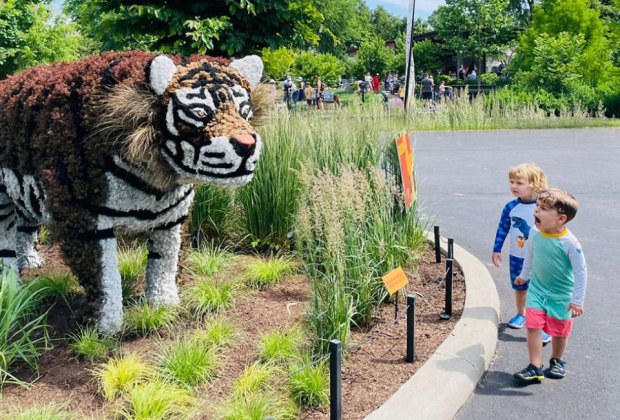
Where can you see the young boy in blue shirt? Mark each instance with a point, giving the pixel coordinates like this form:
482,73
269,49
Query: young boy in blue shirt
517,218
556,269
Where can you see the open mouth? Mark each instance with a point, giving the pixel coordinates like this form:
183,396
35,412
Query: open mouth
536,220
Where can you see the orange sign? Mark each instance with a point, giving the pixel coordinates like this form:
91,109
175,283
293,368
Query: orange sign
405,156
395,280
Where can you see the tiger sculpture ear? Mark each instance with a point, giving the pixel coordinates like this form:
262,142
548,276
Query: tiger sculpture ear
250,67
161,72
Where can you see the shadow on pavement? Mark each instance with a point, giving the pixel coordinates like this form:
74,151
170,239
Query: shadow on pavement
502,383
504,336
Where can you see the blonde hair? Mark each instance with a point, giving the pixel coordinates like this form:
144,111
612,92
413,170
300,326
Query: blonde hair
561,201
535,176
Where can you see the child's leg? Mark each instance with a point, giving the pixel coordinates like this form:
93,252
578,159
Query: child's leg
534,346
558,345
520,297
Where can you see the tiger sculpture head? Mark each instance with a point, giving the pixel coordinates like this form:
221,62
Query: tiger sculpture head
208,134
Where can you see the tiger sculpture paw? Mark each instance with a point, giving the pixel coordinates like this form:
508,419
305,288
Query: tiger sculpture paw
115,143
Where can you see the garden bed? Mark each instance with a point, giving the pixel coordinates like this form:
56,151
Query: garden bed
373,370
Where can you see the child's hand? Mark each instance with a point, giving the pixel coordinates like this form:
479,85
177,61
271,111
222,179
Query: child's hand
520,281
497,259
576,310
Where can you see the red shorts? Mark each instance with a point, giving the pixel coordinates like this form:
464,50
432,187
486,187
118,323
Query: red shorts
538,319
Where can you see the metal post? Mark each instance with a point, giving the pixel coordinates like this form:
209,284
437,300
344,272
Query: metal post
335,380
449,273
410,328
437,245
451,248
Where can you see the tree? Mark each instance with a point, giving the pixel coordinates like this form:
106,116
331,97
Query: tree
28,37
476,28
387,26
559,20
346,23
278,62
231,27
328,67
373,56
427,56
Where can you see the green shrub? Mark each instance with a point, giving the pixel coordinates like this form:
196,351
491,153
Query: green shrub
144,319
280,347
187,362
131,265
258,407
58,284
51,411
209,296
157,400
260,272
255,379
23,328
489,78
89,344
120,374
217,333
208,260
310,385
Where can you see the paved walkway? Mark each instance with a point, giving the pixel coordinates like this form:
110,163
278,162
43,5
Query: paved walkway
462,178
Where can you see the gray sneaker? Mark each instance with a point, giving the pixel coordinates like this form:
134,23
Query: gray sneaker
557,369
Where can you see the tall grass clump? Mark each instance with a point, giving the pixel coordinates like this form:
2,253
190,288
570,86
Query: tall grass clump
52,411
187,362
258,406
208,260
352,228
261,272
270,201
157,400
144,319
89,344
23,328
310,384
255,379
131,265
212,212
120,374
280,346
58,284
218,332
209,296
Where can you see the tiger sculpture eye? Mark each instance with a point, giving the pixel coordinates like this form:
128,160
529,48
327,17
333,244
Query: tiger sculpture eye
115,143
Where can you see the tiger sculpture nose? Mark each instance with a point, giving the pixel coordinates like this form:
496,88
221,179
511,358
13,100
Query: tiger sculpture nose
244,144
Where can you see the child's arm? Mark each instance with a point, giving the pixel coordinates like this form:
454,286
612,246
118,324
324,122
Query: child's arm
500,236
527,261
578,261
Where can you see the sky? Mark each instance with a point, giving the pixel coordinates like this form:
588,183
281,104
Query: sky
423,8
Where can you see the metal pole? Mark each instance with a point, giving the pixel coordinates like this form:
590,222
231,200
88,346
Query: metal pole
451,248
335,380
437,245
449,274
411,68
410,328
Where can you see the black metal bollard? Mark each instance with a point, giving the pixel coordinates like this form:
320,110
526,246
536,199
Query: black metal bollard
437,245
410,328
447,314
335,380
451,248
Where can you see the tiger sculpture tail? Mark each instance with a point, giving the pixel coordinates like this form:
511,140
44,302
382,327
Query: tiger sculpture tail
115,143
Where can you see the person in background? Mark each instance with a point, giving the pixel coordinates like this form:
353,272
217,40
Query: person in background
473,75
426,88
461,73
308,92
368,80
375,83
320,87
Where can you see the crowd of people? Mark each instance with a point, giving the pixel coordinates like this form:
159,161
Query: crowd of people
313,94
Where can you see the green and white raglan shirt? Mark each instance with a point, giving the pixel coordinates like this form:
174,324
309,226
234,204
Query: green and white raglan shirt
555,266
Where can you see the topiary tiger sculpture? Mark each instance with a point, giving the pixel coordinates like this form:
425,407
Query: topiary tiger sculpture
113,143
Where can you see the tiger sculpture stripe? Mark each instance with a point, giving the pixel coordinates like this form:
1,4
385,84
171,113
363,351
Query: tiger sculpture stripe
114,143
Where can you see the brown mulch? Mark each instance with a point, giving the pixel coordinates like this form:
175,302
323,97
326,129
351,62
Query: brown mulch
373,369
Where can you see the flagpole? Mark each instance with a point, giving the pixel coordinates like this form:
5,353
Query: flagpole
410,68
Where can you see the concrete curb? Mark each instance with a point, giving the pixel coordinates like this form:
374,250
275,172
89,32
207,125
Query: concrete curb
442,385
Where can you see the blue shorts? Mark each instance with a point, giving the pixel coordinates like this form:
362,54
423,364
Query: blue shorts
516,264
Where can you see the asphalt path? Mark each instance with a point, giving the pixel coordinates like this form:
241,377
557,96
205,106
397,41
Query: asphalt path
463,186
